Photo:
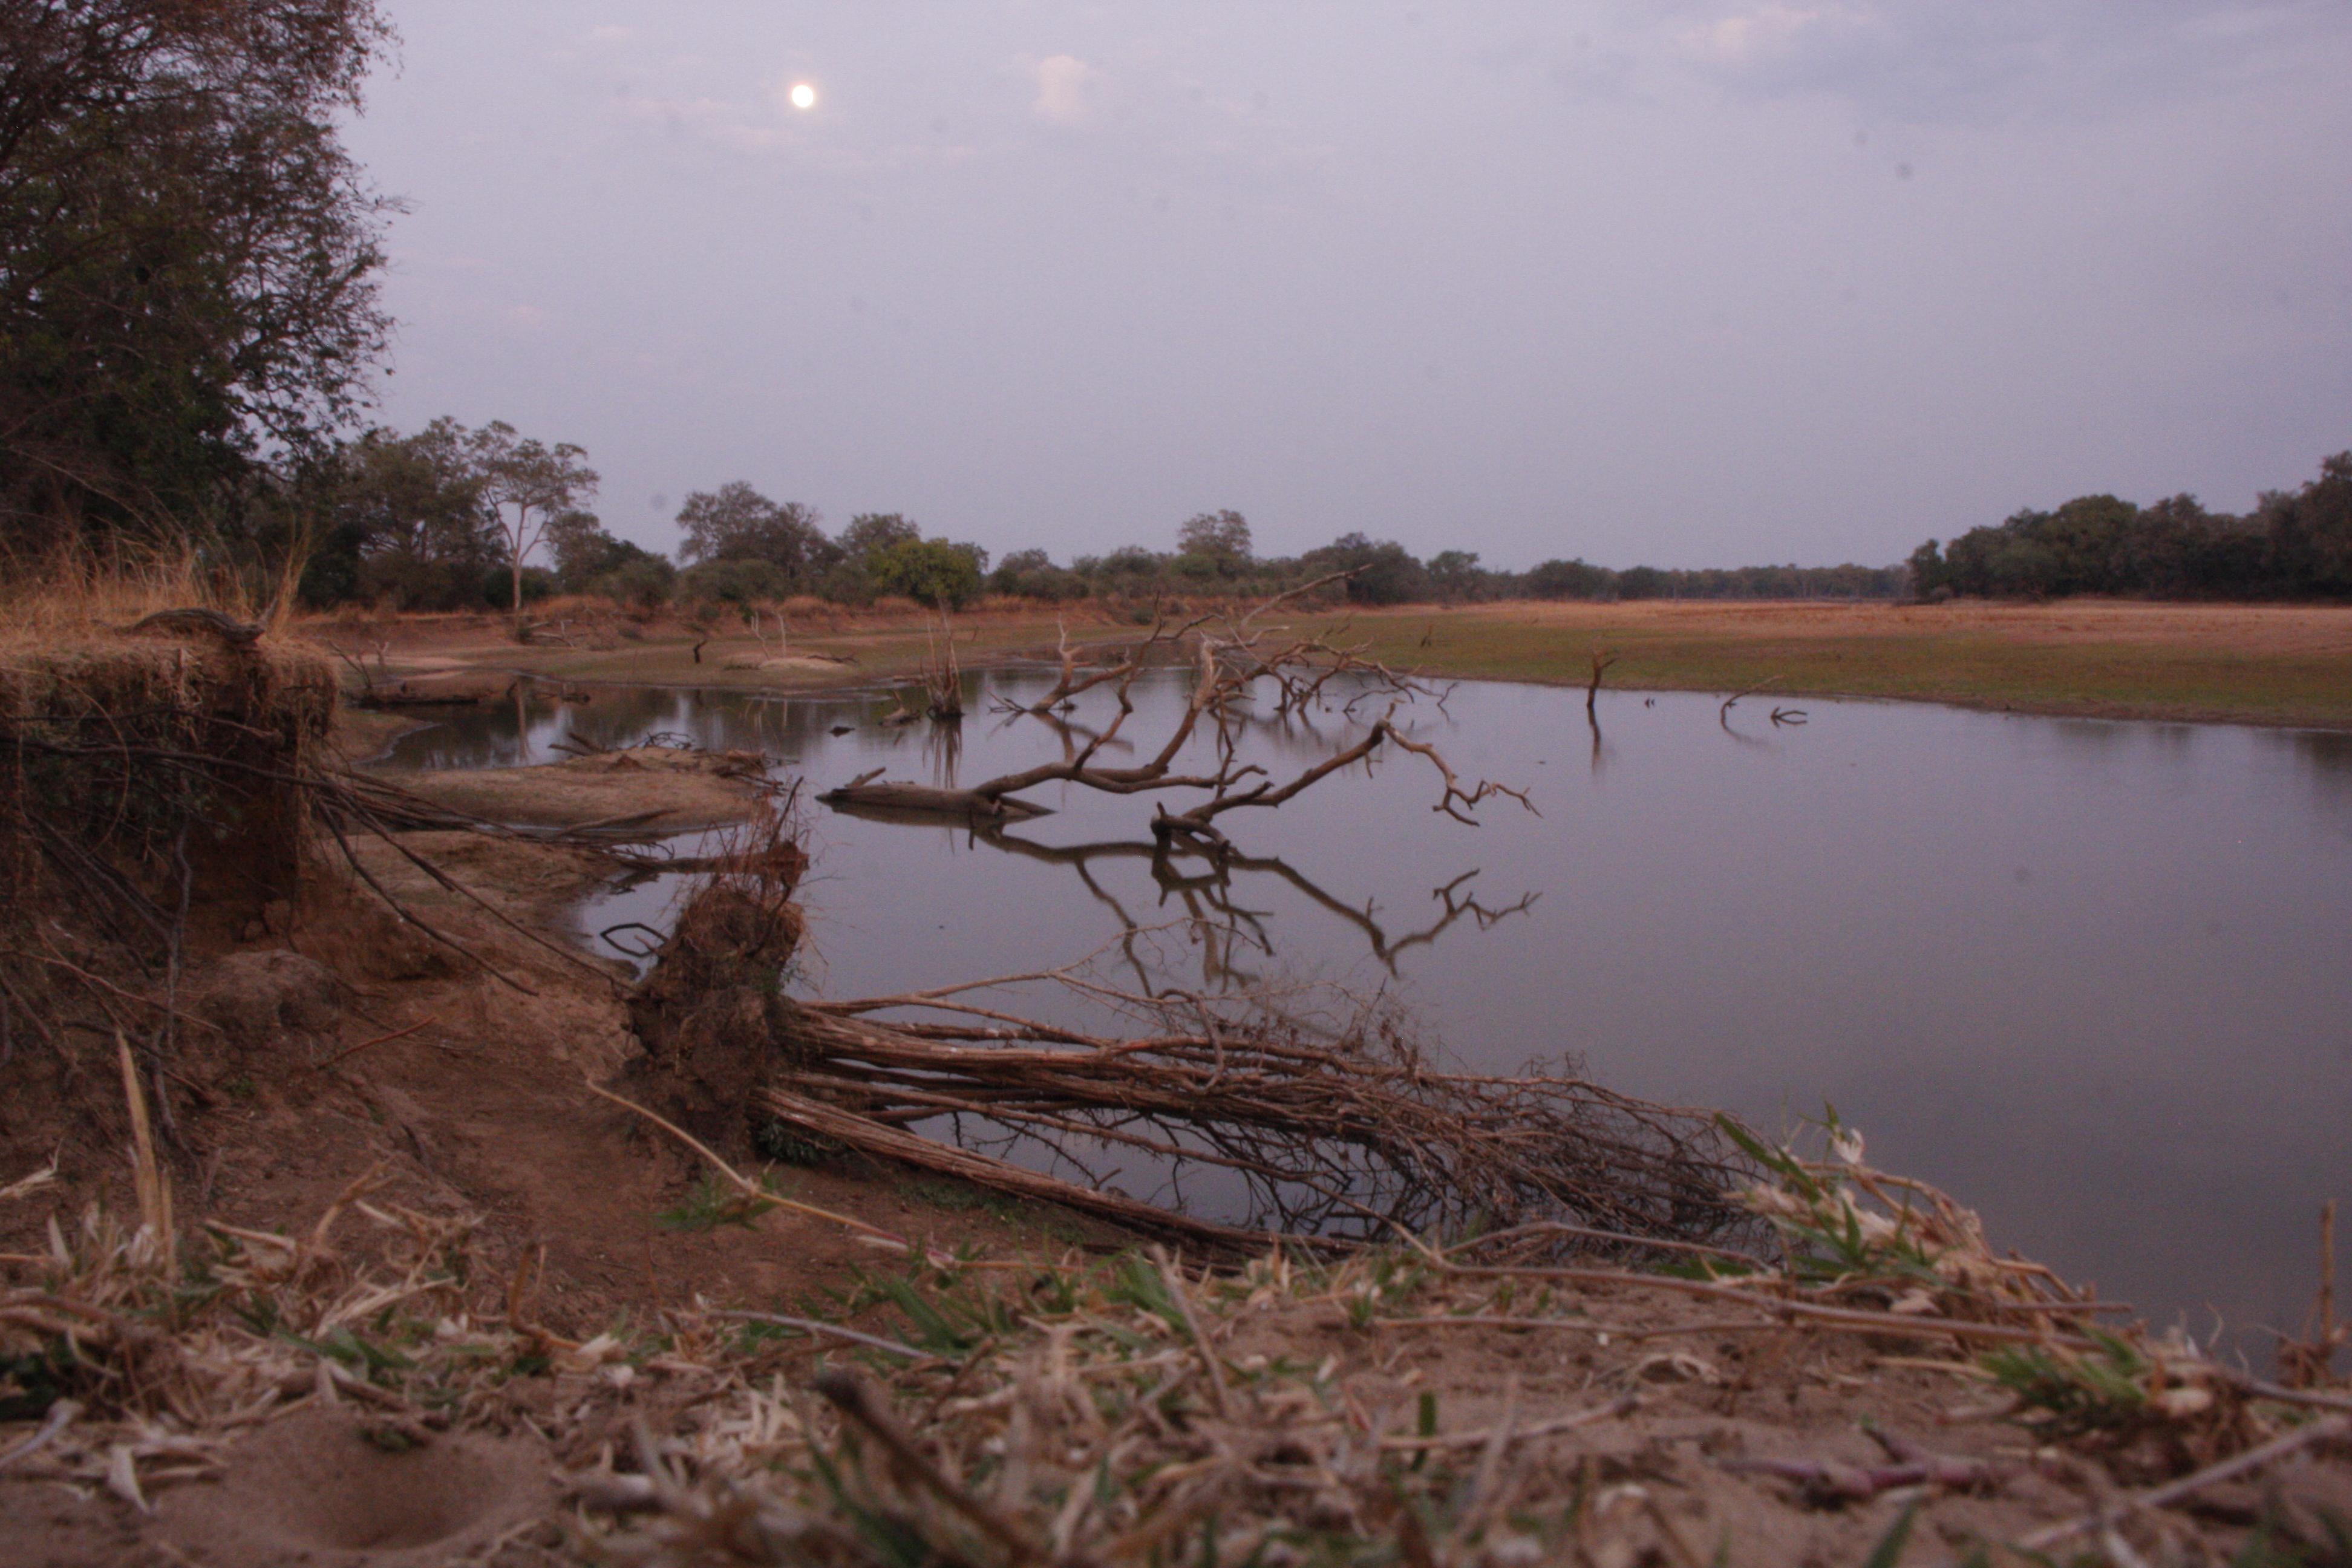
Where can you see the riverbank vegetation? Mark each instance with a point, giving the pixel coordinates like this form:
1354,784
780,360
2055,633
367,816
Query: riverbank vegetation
2295,544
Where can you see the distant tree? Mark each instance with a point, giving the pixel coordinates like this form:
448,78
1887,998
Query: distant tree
870,533
526,486
1569,580
188,256
583,552
398,519
2310,532
1930,577
1454,569
1384,574
736,523
1642,583
503,587
1032,574
2295,543
1221,536
931,571
645,580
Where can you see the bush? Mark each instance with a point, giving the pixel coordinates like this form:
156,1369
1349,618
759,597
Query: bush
931,571
642,584
1570,580
498,585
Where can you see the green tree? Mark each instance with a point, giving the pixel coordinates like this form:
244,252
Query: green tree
1930,577
931,571
870,533
188,257
583,552
742,580
2310,532
1221,536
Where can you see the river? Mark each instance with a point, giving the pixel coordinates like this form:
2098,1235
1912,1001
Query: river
2094,978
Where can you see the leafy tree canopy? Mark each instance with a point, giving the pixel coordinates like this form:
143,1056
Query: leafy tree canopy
1219,535
188,256
931,571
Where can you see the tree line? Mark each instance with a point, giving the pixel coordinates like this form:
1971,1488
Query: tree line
2295,544
450,519
190,314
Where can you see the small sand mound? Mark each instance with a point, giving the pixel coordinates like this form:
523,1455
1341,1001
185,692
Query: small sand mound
323,1486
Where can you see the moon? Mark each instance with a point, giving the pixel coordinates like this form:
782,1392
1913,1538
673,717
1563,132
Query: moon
803,95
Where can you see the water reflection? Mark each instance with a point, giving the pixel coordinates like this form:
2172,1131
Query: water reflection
1205,892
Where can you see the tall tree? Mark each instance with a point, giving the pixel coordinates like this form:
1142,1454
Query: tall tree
1222,536
187,254
403,520
526,486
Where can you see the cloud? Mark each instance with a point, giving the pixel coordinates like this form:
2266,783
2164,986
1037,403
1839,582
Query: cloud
611,35
1960,59
1065,90
1746,36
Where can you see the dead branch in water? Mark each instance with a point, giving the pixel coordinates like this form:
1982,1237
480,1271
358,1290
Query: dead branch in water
1723,715
1071,682
1602,659
1231,654
943,676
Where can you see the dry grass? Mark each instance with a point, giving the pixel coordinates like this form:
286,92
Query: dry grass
962,1410
75,591
2231,663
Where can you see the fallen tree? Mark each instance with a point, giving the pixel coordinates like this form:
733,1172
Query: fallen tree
1314,1114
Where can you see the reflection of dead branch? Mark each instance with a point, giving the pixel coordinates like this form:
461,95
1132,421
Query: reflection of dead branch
1209,897
1788,715
1343,1129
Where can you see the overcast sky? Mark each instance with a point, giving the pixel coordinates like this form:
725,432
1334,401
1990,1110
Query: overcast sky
1704,283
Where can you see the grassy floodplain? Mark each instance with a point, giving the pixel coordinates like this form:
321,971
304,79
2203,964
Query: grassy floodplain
2288,665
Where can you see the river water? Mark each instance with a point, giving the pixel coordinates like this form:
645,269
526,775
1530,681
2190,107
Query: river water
2094,978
